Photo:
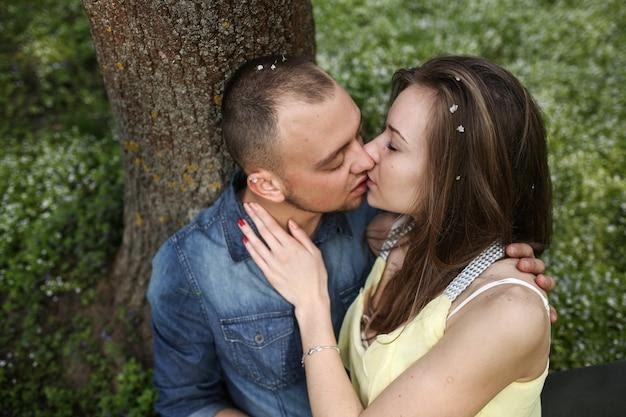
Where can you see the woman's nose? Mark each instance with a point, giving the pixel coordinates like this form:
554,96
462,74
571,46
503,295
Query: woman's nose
372,150
362,160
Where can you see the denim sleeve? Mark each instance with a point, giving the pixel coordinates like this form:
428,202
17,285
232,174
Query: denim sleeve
187,375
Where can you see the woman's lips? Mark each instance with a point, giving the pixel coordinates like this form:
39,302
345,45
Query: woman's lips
361,187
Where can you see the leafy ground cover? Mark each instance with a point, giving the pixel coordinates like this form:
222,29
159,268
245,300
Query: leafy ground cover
60,221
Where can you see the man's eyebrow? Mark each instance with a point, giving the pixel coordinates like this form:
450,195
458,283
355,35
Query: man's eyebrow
393,129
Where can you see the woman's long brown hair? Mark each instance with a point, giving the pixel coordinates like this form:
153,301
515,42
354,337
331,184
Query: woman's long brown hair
490,182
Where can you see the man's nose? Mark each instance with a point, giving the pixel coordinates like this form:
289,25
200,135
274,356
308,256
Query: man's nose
371,148
363,161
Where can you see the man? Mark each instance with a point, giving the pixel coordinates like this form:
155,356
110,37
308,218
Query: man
225,342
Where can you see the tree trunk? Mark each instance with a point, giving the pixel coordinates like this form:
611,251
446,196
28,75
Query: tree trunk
164,64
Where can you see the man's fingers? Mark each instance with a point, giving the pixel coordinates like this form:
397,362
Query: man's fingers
546,283
553,315
531,265
520,250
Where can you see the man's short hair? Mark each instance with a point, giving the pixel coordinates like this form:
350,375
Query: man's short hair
251,100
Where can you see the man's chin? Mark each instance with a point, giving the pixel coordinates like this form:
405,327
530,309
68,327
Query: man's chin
353,203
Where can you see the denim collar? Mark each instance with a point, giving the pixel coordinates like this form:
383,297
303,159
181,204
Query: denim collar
331,224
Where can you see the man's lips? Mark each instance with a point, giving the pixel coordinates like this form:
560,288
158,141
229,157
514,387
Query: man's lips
360,184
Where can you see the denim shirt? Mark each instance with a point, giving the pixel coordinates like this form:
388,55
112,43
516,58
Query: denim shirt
223,337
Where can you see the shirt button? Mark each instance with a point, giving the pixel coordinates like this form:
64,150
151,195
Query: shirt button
259,338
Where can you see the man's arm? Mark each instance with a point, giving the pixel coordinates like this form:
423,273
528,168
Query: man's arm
187,375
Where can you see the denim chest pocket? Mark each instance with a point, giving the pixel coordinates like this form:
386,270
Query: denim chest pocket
265,348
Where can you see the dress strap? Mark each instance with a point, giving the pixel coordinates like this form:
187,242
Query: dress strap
513,281
398,230
494,252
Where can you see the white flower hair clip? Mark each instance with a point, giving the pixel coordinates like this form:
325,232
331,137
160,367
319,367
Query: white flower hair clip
259,67
456,77
454,108
460,129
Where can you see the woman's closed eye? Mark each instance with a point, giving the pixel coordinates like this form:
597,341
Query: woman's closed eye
391,147
388,140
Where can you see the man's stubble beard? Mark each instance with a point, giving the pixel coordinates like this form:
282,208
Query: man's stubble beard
296,201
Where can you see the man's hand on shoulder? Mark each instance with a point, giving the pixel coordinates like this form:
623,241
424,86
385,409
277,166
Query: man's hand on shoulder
528,263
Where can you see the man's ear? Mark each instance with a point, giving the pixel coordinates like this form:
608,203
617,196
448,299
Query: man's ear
266,185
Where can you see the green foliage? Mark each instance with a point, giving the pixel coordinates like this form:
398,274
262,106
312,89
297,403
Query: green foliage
134,397
571,57
60,220
48,69
59,227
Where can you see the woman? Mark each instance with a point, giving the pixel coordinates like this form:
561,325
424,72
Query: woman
443,325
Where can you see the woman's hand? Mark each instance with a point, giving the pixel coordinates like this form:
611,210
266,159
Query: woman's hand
290,262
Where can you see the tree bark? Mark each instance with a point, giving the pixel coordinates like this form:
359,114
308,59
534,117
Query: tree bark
164,64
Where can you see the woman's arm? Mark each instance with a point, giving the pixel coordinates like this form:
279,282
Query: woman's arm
295,268
328,385
501,337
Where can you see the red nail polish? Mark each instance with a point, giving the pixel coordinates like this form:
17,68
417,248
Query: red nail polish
245,240
241,222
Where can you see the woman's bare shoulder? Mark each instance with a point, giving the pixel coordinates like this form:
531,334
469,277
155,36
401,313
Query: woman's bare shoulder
513,314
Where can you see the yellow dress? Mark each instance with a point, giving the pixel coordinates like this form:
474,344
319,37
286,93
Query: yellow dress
374,368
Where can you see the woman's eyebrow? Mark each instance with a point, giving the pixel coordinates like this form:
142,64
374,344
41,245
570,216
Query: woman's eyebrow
393,129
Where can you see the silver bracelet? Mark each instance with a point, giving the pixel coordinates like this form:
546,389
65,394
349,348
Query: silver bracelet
316,349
